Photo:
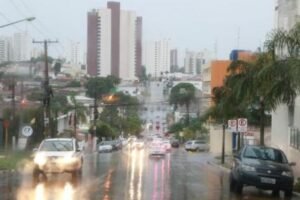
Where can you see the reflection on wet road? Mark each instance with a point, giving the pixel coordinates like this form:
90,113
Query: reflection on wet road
133,175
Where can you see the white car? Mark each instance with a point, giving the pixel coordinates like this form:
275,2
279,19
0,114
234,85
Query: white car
58,155
196,145
157,148
139,144
167,145
105,146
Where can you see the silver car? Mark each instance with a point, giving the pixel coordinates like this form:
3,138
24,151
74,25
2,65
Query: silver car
196,145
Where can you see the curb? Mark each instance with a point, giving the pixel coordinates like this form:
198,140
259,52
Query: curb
228,171
296,194
12,171
218,166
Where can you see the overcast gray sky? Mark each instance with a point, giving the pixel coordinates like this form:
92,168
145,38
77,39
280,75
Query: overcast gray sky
192,24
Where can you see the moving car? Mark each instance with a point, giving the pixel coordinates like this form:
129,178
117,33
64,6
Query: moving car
157,148
196,145
167,145
175,144
263,167
57,155
105,146
139,144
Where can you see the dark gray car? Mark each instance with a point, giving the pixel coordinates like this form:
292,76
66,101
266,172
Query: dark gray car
263,167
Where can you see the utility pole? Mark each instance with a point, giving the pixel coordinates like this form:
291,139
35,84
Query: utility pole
47,89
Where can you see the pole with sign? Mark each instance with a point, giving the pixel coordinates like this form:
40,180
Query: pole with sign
242,128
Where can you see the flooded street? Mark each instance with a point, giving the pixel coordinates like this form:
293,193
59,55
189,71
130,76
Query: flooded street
133,175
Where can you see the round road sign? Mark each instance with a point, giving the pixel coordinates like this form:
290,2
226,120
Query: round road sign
27,131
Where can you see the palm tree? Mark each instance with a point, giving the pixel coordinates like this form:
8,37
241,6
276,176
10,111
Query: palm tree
250,87
183,94
79,113
284,46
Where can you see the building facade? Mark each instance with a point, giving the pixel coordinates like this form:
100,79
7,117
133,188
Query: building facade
21,46
194,61
157,57
285,131
173,60
114,42
4,49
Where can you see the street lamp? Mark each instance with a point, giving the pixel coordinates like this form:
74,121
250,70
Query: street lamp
28,19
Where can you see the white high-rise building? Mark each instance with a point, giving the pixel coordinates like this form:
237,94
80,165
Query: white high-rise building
114,42
5,49
21,46
74,54
194,61
127,45
157,57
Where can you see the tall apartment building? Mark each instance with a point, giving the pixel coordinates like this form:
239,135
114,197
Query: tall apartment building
21,46
114,42
4,49
194,61
75,54
173,60
287,14
157,57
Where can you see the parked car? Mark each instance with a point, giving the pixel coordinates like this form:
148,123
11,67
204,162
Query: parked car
175,144
117,145
157,148
196,145
263,167
57,155
105,146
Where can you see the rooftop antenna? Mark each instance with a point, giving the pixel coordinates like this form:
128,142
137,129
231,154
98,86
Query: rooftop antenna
216,49
238,38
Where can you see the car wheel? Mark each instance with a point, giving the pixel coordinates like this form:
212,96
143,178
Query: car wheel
38,176
231,184
275,193
238,187
288,193
76,176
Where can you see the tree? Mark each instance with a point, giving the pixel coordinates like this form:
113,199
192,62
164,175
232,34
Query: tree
104,130
183,94
98,86
284,46
74,83
57,68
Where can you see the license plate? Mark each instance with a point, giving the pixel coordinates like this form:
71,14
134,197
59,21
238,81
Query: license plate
268,180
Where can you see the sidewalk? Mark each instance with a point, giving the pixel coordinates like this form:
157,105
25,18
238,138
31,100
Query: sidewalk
216,162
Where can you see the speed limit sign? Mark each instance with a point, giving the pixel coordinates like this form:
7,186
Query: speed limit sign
27,131
242,125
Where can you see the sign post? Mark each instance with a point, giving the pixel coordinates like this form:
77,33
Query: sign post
242,128
6,125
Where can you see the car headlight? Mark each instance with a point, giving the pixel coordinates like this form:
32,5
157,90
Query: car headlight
40,159
248,168
287,173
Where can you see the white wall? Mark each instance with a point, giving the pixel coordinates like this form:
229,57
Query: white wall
157,57
104,55
127,45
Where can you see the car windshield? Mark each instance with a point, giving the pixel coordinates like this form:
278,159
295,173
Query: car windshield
264,153
57,145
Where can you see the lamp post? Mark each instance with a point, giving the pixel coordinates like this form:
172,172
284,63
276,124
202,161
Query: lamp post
28,19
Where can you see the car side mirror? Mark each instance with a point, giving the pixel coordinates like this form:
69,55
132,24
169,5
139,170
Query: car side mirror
292,164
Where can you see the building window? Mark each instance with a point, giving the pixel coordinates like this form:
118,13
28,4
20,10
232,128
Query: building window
295,138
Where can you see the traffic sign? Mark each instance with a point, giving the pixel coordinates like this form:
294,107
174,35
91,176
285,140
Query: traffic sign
232,125
6,123
242,125
27,131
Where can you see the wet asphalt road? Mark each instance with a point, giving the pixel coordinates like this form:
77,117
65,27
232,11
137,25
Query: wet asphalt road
132,175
